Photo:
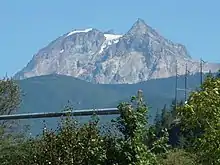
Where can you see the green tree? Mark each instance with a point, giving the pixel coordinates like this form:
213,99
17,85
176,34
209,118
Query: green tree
158,122
132,123
10,135
9,96
140,144
71,143
218,74
201,115
179,157
167,121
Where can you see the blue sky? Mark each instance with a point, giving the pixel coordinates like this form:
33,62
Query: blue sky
27,26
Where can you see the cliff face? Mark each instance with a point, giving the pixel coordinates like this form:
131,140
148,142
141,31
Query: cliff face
139,55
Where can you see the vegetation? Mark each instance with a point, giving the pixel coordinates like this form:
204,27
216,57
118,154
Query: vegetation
179,157
72,143
201,115
9,101
10,98
186,134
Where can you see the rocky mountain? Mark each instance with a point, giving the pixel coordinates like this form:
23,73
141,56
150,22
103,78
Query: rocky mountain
107,58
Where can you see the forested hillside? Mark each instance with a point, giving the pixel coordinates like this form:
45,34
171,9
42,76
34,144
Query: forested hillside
51,93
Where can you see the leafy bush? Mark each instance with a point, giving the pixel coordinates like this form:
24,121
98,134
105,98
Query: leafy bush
201,115
71,144
77,144
129,140
178,157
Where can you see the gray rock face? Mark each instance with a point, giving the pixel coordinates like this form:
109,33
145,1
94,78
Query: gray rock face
139,55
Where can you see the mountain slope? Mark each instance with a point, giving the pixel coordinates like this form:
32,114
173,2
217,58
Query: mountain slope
139,55
51,93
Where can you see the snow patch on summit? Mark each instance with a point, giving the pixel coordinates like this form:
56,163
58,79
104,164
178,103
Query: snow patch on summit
109,40
79,31
112,36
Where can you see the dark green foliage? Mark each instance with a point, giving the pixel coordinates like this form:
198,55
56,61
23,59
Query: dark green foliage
192,129
11,136
165,121
218,74
15,153
71,144
140,145
74,143
179,157
201,115
9,96
132,123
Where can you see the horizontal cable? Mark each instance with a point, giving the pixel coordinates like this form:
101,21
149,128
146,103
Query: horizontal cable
83,112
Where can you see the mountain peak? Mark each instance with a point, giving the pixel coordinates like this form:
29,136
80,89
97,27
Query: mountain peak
140,22
89,54
139,28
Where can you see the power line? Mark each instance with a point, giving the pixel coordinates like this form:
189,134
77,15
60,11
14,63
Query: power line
202,62
83,112
186,90
176,84
186,81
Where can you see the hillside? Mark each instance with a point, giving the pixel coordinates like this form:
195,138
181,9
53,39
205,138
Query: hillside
51,93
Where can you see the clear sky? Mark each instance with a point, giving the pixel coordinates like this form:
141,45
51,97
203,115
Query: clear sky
26,26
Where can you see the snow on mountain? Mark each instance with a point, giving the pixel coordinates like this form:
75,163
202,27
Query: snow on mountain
109,40
138,55
79,31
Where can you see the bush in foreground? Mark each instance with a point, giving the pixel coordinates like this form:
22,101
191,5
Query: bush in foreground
77,144
178,157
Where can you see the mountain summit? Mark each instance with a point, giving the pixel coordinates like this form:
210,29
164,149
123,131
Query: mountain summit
108,58
140,28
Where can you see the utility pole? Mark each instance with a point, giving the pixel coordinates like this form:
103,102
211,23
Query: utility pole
186,90
186,74
176,85
201,70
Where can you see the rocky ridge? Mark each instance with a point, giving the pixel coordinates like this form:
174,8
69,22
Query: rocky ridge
107,58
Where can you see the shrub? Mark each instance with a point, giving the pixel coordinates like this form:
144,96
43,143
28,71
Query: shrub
178,157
